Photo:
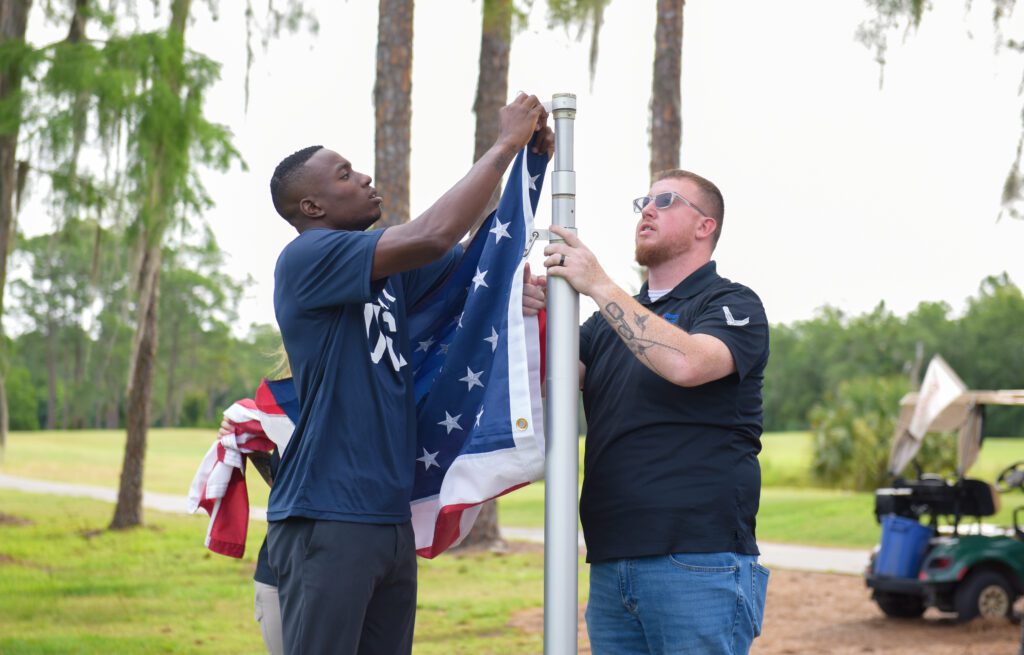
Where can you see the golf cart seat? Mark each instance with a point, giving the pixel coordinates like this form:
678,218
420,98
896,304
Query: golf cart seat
934,497
979,498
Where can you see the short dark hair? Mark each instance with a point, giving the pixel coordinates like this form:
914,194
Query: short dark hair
285,174
712,201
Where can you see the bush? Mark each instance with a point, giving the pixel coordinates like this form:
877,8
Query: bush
853,429
22,399
193,410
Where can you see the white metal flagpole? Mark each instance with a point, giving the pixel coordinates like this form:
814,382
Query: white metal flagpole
561,422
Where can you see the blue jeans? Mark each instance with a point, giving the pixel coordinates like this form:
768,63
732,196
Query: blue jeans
701,603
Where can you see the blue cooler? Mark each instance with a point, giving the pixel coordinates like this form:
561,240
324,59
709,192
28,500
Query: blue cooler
903,544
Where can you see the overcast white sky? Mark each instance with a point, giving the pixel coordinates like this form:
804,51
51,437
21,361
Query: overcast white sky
837,192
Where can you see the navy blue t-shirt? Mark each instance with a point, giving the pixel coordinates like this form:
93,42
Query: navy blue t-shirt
352,455
670,469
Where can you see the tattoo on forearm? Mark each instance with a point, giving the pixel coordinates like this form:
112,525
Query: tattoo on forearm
617,318
632,333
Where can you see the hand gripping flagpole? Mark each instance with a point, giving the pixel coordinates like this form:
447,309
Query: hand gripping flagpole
561,422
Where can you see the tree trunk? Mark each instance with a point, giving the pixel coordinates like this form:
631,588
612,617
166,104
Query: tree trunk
170,410
915,368
666,113
128,512
392,99
492,83
491,96
13,22
486,533
79,410
69,406
51,376
113,414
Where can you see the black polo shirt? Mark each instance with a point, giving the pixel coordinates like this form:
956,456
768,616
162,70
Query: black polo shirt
670,469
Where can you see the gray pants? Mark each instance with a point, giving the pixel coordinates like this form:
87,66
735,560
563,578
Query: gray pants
268,615
345,588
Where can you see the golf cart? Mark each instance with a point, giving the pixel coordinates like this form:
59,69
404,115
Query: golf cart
935,550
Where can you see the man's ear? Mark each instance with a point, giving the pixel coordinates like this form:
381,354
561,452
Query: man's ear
707,227
309,208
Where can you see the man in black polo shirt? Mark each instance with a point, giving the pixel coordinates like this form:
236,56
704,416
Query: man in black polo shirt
671,383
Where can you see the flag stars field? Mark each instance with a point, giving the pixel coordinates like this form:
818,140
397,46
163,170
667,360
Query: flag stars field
478,280
500,230
472,379
451,422
429,459
493,339
456,375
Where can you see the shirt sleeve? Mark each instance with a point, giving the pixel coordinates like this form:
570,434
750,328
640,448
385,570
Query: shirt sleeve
421,281
587,331
737,318
326,268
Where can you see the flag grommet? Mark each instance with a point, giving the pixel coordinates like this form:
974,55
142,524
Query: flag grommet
522,423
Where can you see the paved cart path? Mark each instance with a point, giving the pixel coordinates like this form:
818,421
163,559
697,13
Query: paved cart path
786,556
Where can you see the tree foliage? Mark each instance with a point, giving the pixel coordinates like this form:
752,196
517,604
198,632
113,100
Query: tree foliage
853,429
906,16
71,300
584,16
811,359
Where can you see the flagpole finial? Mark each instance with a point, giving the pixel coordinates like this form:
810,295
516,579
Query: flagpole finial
561,102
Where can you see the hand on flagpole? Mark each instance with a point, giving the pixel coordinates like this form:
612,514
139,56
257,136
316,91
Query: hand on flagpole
573,261
520,120
544,137
534,292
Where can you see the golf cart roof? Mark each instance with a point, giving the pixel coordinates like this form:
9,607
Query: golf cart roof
944,403
978,397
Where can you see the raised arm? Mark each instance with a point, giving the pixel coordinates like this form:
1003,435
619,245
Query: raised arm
439,228
687,360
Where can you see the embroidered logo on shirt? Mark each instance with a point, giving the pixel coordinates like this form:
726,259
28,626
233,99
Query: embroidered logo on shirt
729,320
379,319
672,318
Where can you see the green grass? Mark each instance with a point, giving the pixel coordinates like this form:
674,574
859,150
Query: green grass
820,517
804,516
95,456
786,458
996,454
817,517
71,587
792,510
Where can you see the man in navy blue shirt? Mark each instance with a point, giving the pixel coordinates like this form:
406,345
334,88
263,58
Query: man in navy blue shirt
340,539
671,382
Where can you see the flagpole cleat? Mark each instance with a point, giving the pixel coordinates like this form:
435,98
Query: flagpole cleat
543,235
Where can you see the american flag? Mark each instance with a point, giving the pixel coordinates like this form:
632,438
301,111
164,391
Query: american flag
477,372
476,366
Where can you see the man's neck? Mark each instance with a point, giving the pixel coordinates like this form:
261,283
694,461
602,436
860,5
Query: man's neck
668,275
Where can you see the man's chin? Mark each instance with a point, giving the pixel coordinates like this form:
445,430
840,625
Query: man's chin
648,256
368,222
